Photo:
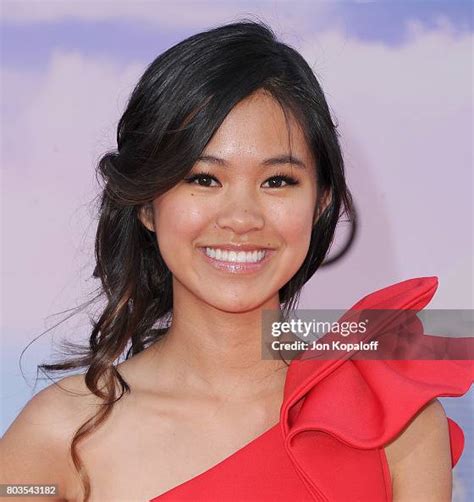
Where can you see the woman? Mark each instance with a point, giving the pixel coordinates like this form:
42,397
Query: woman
220,203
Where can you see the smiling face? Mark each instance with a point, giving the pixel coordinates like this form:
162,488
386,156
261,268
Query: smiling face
244,199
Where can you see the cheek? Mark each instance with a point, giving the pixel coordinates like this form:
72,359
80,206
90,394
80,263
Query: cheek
178,220
293,221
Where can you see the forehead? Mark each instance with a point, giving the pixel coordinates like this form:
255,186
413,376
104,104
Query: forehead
257,128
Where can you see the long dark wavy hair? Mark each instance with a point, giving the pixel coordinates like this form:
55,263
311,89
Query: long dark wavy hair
174,110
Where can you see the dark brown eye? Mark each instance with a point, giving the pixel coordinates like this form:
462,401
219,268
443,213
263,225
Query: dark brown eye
282,177
207,177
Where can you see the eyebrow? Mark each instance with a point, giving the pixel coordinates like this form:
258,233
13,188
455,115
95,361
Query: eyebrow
273,161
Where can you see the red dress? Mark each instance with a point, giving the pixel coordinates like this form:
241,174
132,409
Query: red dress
335,419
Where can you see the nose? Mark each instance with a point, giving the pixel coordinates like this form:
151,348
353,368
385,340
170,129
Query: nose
241,214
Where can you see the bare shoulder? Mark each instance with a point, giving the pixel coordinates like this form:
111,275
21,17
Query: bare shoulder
420,458
56,408
36,447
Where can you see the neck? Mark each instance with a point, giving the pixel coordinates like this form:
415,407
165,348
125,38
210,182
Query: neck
218,354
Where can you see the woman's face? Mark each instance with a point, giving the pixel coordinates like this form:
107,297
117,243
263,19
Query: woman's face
240,201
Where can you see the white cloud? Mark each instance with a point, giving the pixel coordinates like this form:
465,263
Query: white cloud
406,119
55,127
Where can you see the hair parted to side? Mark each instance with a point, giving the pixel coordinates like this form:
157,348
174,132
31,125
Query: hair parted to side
175,108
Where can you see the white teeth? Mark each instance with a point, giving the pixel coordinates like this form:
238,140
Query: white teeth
232,256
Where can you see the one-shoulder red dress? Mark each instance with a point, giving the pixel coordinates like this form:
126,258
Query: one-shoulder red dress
335,418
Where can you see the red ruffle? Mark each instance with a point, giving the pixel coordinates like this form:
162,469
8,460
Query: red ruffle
378,397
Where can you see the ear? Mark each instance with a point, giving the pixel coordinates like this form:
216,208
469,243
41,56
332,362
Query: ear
323,203
145,215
